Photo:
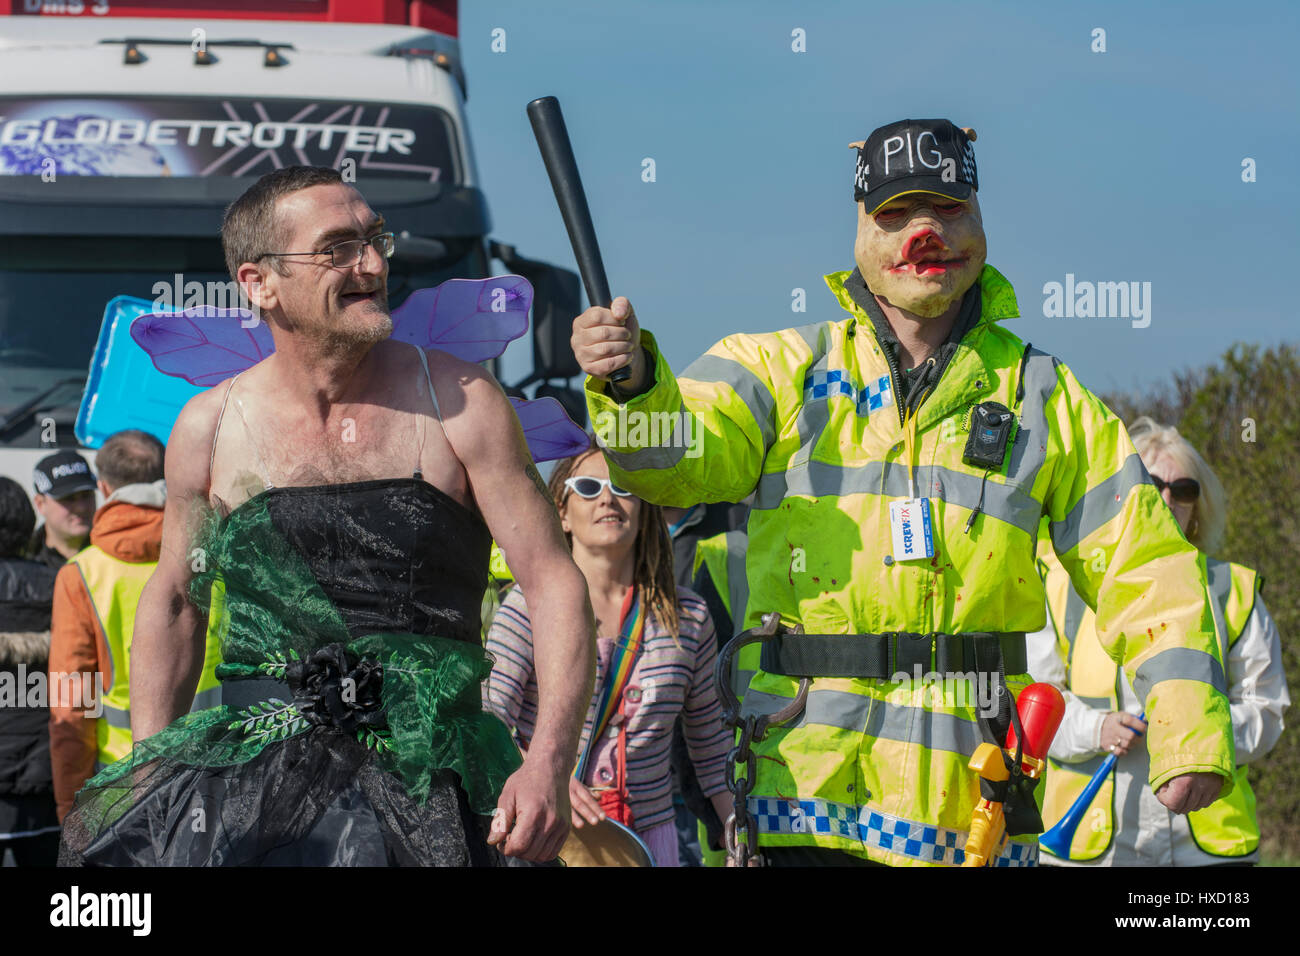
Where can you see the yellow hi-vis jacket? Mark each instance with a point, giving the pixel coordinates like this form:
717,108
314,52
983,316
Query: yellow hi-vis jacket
1226,828
809,417
114,587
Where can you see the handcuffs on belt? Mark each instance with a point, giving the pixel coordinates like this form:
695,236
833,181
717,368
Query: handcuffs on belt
752,728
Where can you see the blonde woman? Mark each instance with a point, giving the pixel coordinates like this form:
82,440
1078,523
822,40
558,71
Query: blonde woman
656,652
1125,825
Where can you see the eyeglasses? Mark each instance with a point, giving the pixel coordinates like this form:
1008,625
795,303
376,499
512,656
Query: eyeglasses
1185,490
584,486
344,255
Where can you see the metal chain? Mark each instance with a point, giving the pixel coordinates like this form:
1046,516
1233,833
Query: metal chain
746,853
752,728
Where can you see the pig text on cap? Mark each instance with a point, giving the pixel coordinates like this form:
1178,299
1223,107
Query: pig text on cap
910,156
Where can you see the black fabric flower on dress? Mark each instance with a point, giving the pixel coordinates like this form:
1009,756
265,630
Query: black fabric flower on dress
335,687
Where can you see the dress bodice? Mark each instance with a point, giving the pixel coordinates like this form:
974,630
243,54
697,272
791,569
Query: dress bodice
392,555
305,566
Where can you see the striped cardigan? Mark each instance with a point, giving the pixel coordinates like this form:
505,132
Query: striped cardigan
672,681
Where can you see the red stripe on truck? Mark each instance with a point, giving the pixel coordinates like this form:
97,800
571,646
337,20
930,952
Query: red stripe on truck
437,15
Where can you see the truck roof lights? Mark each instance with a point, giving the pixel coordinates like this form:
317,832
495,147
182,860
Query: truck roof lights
273,56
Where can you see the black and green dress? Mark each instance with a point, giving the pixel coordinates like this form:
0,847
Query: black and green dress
351,614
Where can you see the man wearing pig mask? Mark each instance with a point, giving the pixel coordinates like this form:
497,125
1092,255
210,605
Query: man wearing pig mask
902,455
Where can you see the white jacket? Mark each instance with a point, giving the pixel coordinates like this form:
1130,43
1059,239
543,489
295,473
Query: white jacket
1146,834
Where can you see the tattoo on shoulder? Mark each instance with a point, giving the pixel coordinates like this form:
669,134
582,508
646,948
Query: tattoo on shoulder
536,477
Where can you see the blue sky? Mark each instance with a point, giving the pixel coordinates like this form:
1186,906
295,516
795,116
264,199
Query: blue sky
1115,166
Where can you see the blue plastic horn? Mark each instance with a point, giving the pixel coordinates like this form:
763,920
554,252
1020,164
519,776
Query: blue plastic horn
1057,840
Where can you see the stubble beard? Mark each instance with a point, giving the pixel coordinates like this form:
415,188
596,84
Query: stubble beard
372,326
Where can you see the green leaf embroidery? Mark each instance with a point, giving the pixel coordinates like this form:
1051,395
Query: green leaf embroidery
270,721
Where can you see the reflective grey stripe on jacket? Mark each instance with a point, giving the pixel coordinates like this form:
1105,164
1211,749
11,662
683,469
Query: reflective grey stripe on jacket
875,718
116,717
1098,505
1006,502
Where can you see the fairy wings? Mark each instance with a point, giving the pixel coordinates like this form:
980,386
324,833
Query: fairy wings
473,319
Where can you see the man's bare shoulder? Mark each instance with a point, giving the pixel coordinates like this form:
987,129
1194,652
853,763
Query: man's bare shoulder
444,365
189,447
476,415
465,387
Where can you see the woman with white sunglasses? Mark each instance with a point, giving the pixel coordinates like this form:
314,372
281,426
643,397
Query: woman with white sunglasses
656,651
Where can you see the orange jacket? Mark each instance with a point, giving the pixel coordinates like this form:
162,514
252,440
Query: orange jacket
126,531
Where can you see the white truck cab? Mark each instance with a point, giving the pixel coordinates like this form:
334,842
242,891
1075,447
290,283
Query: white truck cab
123,139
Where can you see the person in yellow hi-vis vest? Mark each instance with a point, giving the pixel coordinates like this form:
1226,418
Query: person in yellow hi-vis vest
1124,825
95,597
903,454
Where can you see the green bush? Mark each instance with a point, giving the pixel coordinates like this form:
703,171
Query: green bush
1243,415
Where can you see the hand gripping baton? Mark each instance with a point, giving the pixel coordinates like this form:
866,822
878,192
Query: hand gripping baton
557,155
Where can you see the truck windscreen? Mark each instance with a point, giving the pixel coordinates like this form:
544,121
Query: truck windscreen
53,290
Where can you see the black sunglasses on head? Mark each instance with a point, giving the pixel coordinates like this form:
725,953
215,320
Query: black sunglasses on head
1185,490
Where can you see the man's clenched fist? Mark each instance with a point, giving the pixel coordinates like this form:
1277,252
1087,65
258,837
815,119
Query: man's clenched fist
1190,791
532,816
605,340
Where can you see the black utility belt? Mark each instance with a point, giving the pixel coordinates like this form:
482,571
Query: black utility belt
897,652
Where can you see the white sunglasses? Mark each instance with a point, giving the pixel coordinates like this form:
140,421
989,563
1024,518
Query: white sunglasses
585,486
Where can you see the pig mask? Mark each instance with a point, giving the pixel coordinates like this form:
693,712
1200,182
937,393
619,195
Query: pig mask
921,251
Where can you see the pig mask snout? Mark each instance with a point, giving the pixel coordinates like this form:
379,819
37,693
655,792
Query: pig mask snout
922,244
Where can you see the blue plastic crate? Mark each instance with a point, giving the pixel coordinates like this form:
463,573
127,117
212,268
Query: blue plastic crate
123,389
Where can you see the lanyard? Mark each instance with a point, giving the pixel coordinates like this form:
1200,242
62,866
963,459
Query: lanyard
909,437
621,662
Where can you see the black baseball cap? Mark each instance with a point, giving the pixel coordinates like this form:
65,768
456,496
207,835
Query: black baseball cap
915,156
61,474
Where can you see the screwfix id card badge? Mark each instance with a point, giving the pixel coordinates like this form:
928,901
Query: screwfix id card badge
910,522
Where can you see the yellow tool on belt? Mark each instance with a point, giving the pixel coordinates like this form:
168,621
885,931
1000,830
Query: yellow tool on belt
1040,709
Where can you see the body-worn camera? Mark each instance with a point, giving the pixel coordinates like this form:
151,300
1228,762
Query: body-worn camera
990,433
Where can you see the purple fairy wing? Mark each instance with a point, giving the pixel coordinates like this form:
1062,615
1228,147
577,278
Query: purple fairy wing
203,345
550,432
473,319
